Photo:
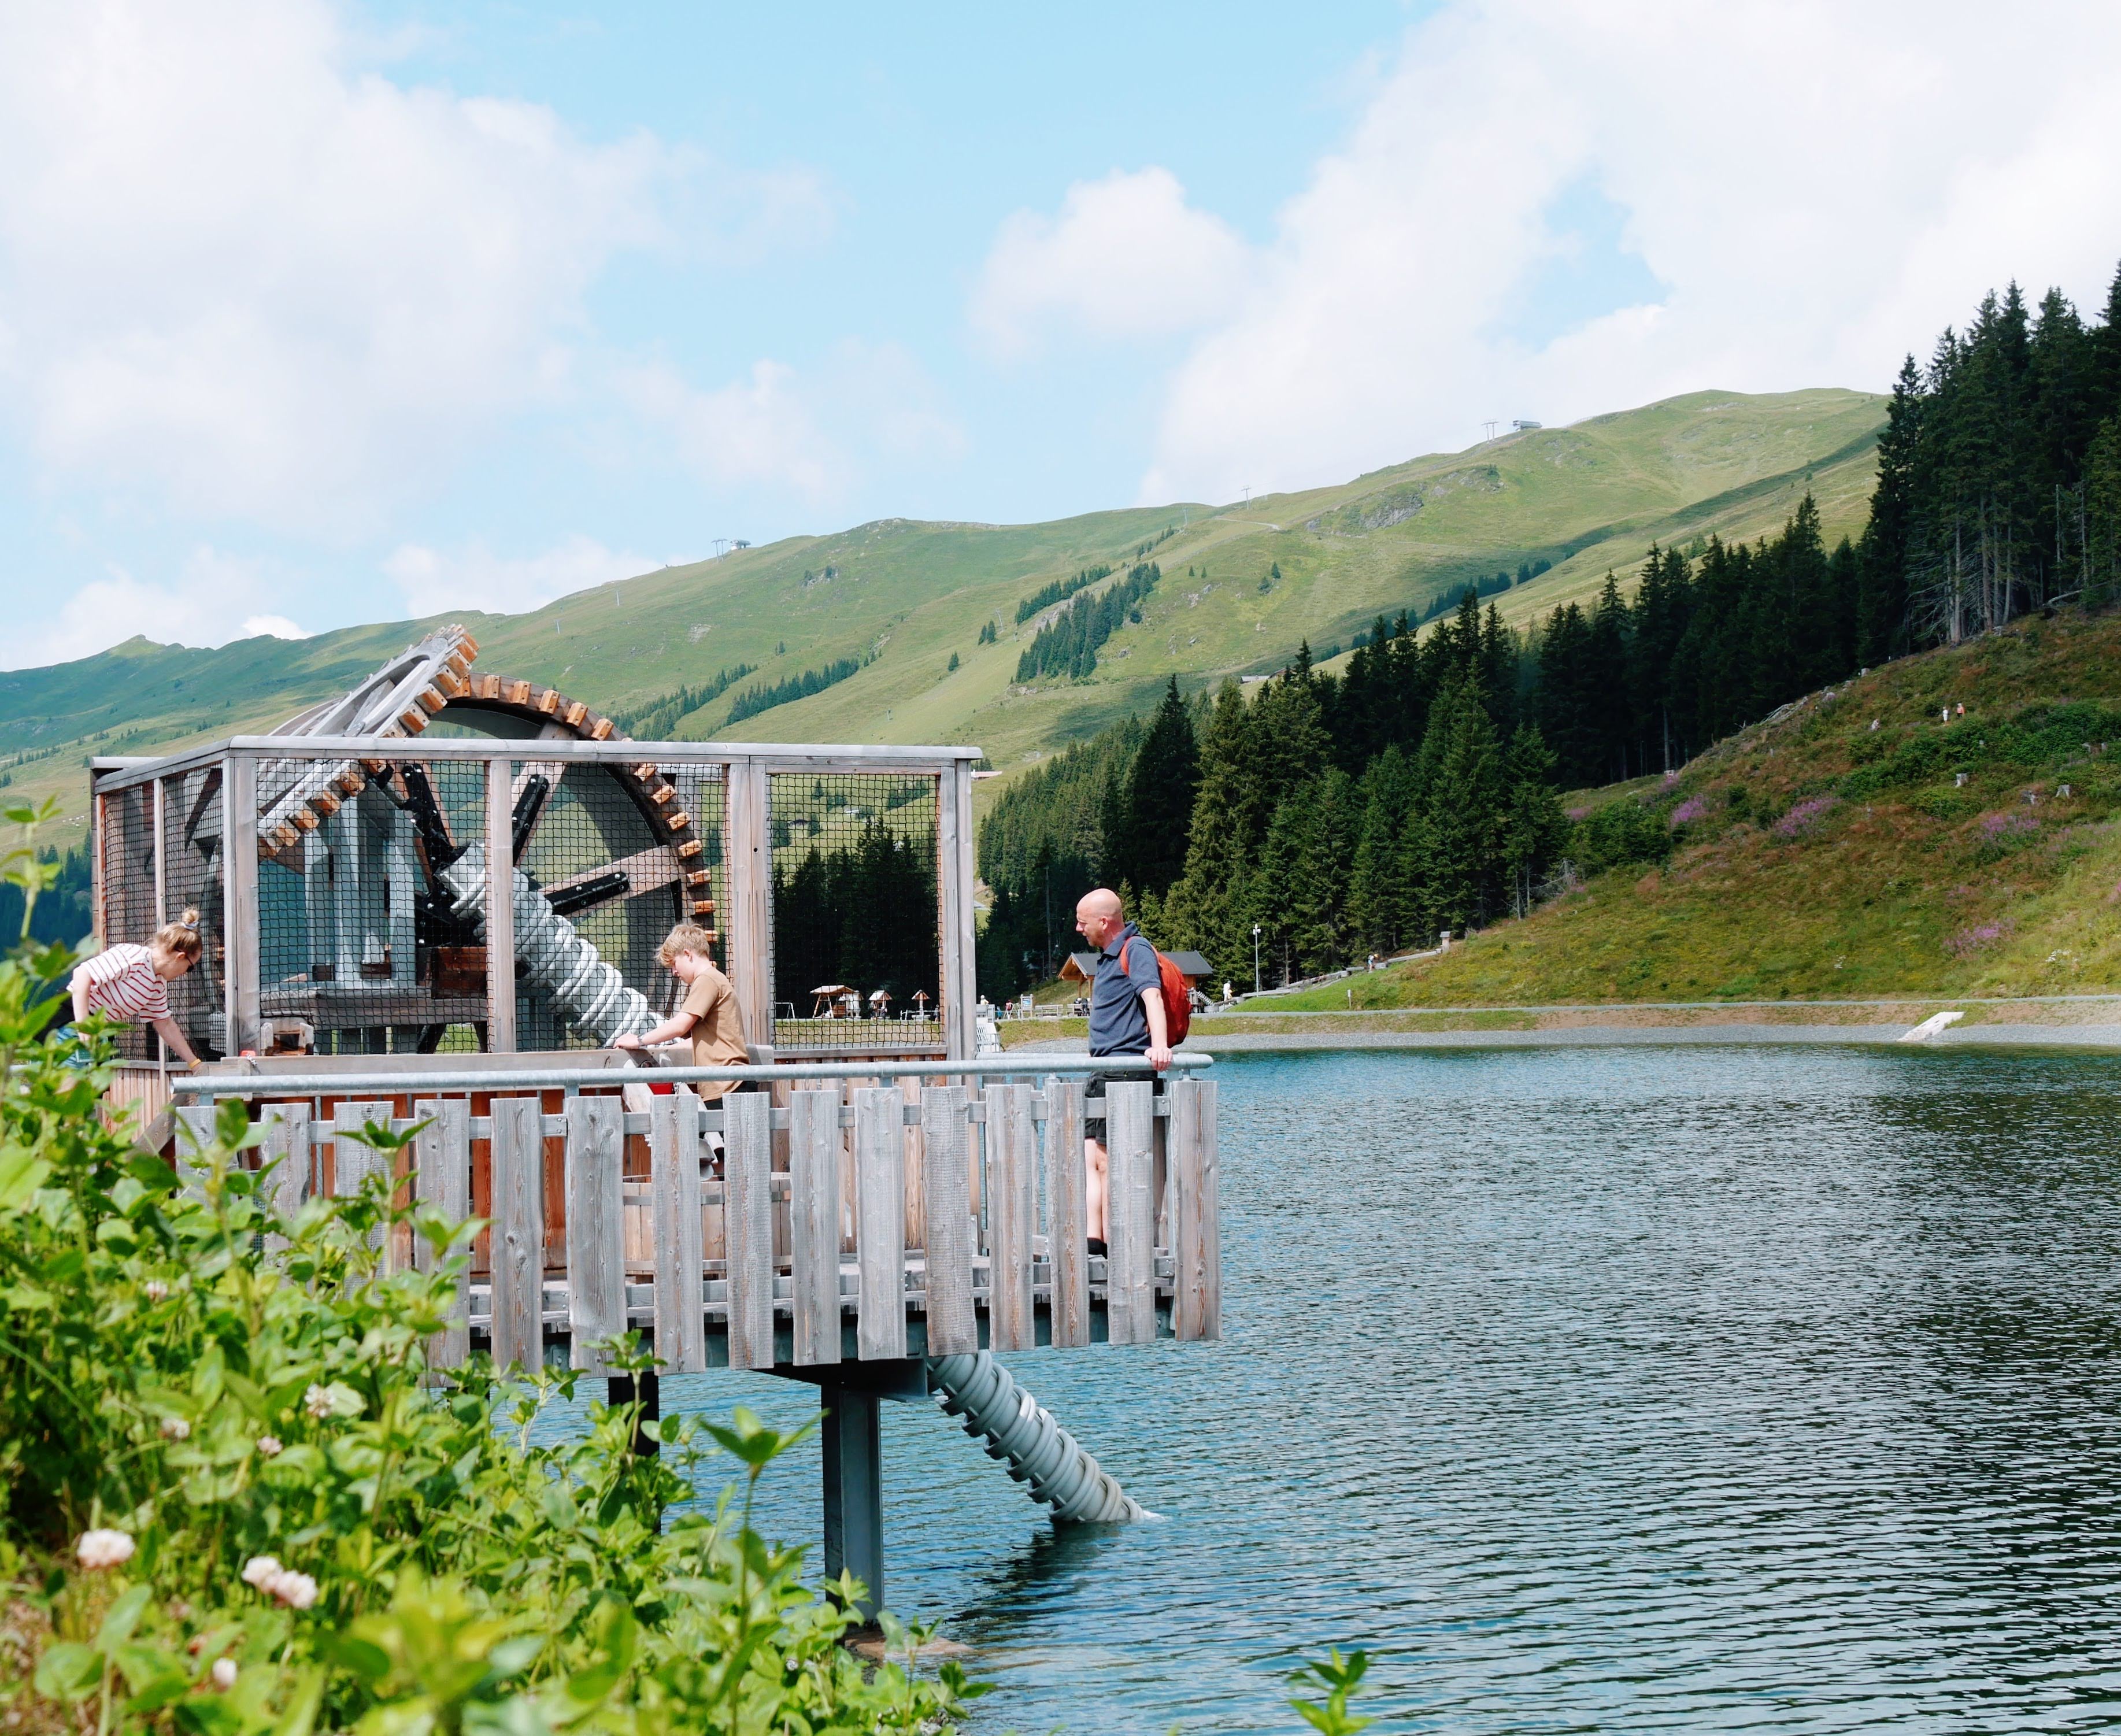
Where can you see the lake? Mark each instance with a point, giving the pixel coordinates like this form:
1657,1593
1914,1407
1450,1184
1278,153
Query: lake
1591,1389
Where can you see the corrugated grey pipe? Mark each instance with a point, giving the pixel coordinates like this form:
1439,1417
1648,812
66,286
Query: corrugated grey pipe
1040,1454
557,961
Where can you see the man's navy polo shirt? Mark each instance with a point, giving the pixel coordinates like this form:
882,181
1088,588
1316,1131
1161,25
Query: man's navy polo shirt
1119,1023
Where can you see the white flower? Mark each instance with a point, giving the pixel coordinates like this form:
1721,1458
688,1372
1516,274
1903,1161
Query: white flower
176,1428
269,1446
224,1674
296,1590
156,1290
317,1401
99,1549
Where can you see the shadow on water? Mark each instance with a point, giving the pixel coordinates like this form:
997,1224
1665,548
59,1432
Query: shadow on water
1622,1390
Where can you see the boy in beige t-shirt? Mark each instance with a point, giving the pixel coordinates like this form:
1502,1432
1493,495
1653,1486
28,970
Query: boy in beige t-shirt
708,1015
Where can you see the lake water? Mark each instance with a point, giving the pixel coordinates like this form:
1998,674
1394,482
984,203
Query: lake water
1593,1389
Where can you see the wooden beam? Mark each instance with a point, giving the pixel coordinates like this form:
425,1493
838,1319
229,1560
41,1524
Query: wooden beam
596,1227
519,1229
749,943
814,1186
880,1201
239,892
500,914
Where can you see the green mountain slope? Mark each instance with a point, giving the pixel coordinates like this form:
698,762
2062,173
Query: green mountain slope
1584,498
1815,855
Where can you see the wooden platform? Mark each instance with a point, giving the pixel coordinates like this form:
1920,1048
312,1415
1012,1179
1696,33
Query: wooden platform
846,1220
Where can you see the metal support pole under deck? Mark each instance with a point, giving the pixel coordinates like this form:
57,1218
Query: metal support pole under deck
853,1493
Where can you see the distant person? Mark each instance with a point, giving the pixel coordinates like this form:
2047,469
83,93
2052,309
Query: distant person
1229,993
709,1013
129,983
1126,1018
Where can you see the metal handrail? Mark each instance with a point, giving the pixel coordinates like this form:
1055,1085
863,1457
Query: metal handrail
573,1079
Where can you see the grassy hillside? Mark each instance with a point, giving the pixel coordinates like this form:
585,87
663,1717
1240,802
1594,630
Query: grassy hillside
1815,855
1585,498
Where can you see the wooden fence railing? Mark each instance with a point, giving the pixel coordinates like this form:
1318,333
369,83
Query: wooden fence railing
841,1219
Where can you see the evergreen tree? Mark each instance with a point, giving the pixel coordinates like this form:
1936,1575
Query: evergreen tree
1205,904
1379,898
1147,840
1534,826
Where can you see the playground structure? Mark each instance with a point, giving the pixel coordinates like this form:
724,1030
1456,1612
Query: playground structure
436,902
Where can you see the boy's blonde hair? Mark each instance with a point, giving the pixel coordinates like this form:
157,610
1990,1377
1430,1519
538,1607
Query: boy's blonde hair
182,937
686,937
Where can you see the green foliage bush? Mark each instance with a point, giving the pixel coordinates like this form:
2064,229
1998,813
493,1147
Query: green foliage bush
235,1498
1618,835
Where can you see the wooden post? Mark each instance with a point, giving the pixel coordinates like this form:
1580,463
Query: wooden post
161,868
960,983
441,1160
499,913
1130,1224
596,1231
853,1493
946,1230
673,1157
813,1188
1067,1196
1196,1289
880,1218
518,1230
1012,1191
749,945
287,1147
239,900
99,883
748,1217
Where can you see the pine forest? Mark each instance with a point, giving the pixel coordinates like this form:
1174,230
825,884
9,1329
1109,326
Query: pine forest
1325,817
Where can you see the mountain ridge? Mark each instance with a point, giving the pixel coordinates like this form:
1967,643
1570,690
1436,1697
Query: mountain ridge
1242,586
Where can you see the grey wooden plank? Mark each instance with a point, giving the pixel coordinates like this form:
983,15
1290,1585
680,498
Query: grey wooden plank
518,1232
946,1240
286,1151
1193,1229
499,910
1208,1225
193,1130
813,1188
748,1213
880,1215
354,1162
1012,1196
1129,1225
596,1228
1067,1224
441,1158
673,1147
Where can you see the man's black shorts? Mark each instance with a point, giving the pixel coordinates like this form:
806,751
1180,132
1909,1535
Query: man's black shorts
1095,1082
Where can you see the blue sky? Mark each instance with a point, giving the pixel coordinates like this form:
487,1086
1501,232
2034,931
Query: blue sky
314,313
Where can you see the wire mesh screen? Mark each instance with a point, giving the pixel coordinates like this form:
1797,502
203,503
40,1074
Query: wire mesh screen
856,910
128,840
193,847
613,857
367,943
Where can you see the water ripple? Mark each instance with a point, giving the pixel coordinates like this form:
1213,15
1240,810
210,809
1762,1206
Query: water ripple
1594,1390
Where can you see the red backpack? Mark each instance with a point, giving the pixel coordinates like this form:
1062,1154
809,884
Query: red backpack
1177,994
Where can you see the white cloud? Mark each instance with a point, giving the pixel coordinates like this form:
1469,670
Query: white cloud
1126,257
1819,187
200,606
868,407
753,430
239,271
474,577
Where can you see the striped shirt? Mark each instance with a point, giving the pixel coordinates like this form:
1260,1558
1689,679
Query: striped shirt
122,982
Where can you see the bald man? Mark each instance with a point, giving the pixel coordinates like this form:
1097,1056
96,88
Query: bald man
1126,1018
